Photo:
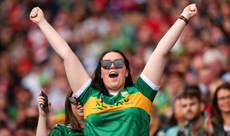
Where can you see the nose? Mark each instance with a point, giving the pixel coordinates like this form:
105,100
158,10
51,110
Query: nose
188,108
112,66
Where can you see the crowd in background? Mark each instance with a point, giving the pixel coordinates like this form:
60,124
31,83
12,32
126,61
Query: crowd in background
29,65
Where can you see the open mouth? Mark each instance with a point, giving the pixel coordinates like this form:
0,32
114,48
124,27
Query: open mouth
80,108
113,75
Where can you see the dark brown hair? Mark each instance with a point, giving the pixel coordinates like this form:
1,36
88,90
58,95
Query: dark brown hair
97,81
191,92
215,111
70,118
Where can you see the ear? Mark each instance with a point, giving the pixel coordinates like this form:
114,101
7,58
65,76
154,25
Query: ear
126,73
202,106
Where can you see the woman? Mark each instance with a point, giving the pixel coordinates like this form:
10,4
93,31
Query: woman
74,118
113,104
219,122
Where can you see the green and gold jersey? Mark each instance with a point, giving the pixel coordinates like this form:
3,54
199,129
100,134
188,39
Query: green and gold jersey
127,113
62,130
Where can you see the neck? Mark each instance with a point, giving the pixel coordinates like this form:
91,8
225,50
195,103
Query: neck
181,123
197,123
81,122
115,90
112,91
226,118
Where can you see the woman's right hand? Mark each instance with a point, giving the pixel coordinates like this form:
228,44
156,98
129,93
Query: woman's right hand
36,15
190,11
41,101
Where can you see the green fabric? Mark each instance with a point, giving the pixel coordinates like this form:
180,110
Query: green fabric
145,89
62,130
168,131
12,111
162,101
172,131
125,122
125,114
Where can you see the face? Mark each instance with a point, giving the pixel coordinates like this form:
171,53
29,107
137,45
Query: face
114,78
206,76
5,132
223,100
191,108
177,110
77,109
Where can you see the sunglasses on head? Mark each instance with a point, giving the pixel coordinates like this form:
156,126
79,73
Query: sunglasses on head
118,63
74,101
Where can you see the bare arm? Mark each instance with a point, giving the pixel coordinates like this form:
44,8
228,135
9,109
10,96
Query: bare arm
41,127
157,61
73,66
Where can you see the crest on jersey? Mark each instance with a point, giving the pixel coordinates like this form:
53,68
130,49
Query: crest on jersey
124,94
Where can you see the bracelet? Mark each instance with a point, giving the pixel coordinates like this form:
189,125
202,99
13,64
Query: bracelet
183,18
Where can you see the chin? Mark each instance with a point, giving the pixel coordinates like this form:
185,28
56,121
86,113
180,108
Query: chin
81,115
190,117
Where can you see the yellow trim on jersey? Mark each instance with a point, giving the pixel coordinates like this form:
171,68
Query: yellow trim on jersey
95,105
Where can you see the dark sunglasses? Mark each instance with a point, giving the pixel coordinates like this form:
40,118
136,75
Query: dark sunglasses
118,63
74,101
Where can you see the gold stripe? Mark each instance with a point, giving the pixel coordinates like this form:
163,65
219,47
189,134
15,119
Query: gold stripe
95,105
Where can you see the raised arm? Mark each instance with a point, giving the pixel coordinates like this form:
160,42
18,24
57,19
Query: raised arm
41,127
75,72
157,61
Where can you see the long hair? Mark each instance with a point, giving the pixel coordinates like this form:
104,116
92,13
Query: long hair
97,81
215,111
70,118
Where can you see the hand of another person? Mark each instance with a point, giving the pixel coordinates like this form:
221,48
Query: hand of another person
40,101
36,15
208,126
189,11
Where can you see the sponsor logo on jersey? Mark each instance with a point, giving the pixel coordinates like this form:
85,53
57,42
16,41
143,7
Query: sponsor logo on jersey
137,100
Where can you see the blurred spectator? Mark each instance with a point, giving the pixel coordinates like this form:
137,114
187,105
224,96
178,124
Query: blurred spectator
206,75
176,121
172,84
218,124
213,86
155,121
193,111
4,130
27,127
217,60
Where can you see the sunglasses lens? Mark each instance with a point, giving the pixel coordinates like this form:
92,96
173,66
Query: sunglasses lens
118,63
73,101
106,64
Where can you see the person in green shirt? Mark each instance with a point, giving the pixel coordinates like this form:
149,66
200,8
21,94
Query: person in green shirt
112,104
74,118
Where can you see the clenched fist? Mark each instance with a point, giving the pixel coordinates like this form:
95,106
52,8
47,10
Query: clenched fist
36,15
189,11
